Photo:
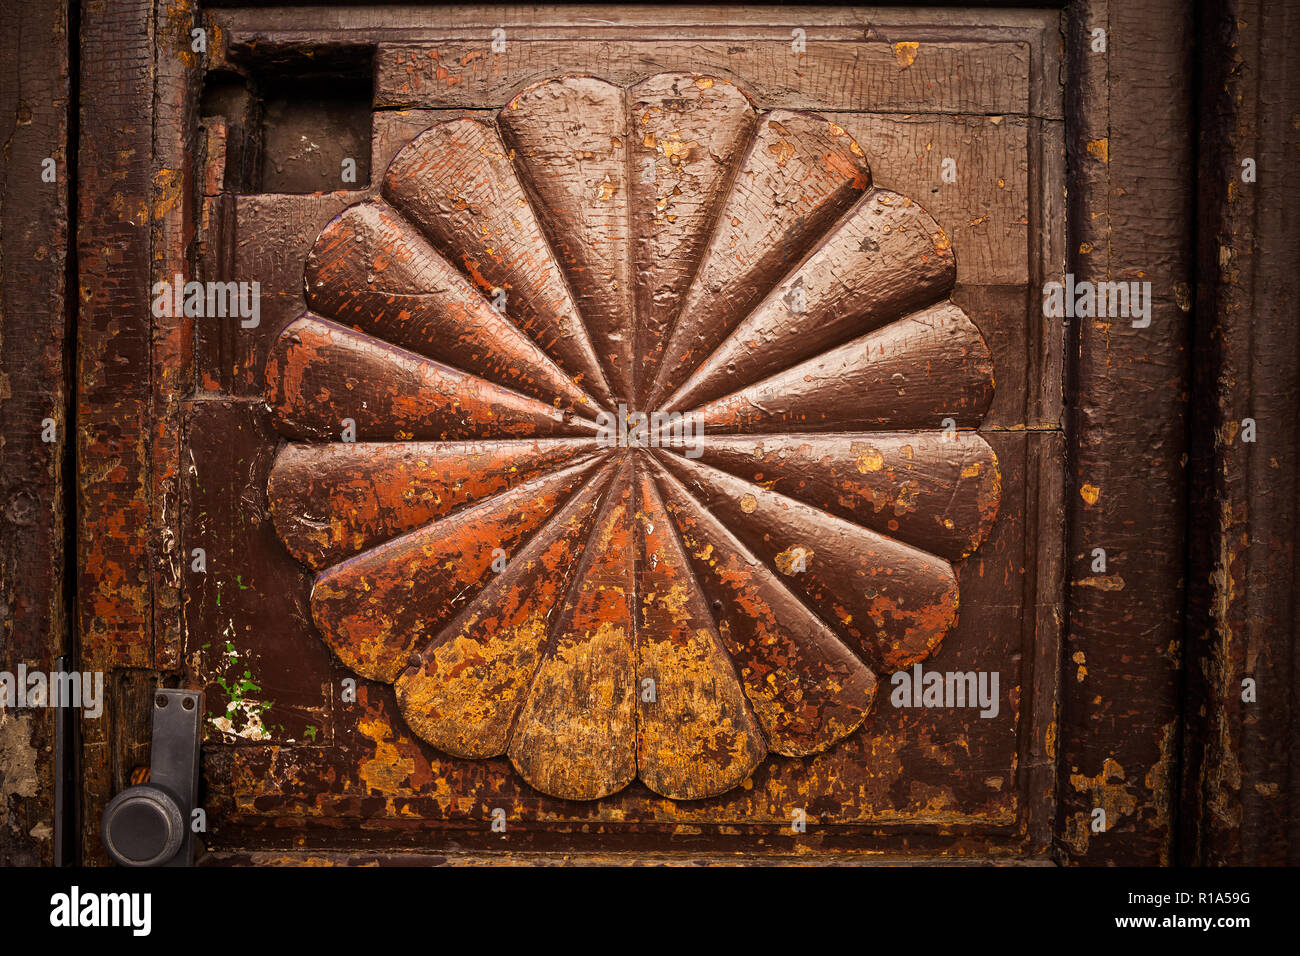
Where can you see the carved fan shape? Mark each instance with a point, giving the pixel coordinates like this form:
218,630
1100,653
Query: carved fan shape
597,613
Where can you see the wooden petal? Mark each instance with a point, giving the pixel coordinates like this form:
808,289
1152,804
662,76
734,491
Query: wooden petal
807,689
576,735
685,130
319,373
885,260
471,680
913,373
456,183
372,269
933,491
569,140
801,174
696,736
331,501
893,601
372,609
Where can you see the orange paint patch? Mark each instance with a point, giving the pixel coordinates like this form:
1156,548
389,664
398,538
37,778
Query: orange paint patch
905,53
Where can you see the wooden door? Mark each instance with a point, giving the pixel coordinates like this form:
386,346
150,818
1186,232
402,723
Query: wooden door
840,596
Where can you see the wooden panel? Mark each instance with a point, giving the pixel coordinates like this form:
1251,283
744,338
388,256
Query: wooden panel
1006,169
962,784
985,208
118,558
34,479
1130,220
1241,792
950,77
248,639
269,237
944,768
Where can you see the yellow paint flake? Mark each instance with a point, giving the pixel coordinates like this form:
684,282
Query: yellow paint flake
782,151
905,53
389,770
794,559
1090,493
678,151
870,459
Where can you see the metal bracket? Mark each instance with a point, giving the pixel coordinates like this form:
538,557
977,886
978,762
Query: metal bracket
149,824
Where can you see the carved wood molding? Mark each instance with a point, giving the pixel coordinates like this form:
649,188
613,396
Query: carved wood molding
661,607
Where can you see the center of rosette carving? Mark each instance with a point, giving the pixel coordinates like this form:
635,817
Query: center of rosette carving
630,428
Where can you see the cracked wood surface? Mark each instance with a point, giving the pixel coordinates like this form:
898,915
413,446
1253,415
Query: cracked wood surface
364,762
550,204
34,481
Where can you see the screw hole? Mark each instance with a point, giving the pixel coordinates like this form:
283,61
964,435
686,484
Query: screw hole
160,701
187,703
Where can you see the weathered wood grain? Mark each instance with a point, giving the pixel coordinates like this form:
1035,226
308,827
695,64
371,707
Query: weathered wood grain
262,238
686,132
1130,169
973,77
383,774
569,141
945,780
938,493
1240,790
114,433
334,500
320,374
576,734
35,480
894,602
806,688
984,208
391,130
370,268
457,183
800,174
244,591
380,605
913,373
470,681
885,259
696,734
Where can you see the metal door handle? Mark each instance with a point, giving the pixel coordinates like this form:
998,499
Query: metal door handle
148,824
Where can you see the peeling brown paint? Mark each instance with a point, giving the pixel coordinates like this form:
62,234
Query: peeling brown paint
18,758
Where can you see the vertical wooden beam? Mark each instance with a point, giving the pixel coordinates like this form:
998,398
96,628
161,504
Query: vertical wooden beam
178,80
1131,168
34,191
134,205
1241,794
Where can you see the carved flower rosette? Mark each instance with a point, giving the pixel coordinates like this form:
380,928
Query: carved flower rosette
669,611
